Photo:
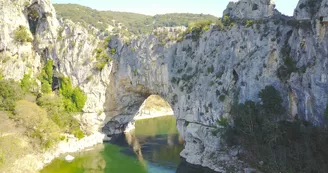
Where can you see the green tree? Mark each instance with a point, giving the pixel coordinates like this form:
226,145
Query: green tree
74,98
272,101
79,98
46,77
29,84
10,92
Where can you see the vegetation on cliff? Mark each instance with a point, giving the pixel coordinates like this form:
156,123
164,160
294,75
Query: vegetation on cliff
46,77
22,35
272,141
73,98
33,120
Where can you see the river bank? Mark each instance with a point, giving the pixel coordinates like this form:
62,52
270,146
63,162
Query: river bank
34,162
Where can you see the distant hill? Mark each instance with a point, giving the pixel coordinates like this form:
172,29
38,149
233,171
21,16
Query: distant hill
129,22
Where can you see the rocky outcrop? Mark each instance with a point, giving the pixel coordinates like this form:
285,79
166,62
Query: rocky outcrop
201,76
251,9
311,9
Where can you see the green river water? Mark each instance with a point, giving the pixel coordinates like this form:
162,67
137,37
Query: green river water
153,147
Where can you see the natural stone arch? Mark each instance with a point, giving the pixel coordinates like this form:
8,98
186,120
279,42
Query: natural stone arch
124,97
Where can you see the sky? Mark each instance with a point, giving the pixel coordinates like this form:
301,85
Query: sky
152,7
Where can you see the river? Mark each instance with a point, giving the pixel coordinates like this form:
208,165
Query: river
153,147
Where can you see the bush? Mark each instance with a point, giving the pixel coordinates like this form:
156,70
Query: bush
227,21
249,23
210,69
45,132
10,92
222,98
46,77
100,66
29,84
22,35
102,58
45,87
47,72
74,98
288,66
113,51
106,41
271,100
79,98
57,113
197,28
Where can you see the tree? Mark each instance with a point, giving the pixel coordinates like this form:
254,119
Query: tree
271,100
10,92
46,77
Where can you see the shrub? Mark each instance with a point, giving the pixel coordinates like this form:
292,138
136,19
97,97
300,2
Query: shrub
57,113
210,69
288,66
46,77
35,120
22,35
100,66
74,98
223,122
113,51
102,58
106,41
303,44
222,98
29,84
10,92
227,21
249,23
271,100
79,98
45,87
197,28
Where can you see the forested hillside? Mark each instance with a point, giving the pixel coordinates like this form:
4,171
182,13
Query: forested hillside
134,23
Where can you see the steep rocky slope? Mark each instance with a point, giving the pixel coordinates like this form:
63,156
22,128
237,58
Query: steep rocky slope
200,76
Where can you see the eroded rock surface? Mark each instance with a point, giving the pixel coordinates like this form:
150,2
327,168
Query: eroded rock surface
250,9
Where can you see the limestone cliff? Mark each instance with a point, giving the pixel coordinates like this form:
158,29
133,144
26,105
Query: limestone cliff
251,9
200,76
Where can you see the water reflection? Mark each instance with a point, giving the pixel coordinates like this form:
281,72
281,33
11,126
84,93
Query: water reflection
154,147
133,141
153,142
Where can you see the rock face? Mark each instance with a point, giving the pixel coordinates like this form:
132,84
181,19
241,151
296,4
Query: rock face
251,9
201,77
308,9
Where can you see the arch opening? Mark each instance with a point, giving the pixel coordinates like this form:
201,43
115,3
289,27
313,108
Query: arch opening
152,134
